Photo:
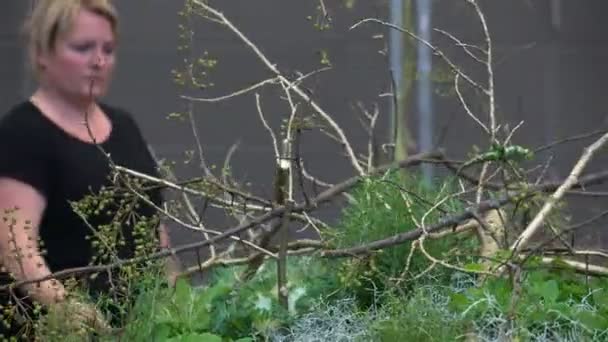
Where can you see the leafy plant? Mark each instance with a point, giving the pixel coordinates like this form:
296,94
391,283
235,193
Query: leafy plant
386,205
227,307
424,316
558,301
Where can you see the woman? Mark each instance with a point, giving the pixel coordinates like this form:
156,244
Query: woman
51,155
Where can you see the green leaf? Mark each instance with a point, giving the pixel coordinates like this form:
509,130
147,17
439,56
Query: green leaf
503,294
195,337
600,298
207,302
564,308
459,302
244,339
536,315
474,267
533,261
208,295
182,293
559,263
163,331
550,291
592,320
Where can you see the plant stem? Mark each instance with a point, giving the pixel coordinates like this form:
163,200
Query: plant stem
282,260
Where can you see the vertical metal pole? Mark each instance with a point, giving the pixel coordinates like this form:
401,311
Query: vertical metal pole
395,62
425,91
551,79
556,14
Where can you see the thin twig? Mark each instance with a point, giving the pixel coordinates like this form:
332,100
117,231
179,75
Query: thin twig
578,266
326,196
444,263
313,179
371,143
510,136
466,106
222,202
565,231
282,260
570,139
272,67
587,193
289,140
489,68
195,217
436,50
533,227
464,46
199,145
265,123
234,94
544,170
200,228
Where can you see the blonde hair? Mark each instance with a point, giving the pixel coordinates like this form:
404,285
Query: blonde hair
50,19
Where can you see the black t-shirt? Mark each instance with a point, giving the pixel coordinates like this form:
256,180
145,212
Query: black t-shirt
63,168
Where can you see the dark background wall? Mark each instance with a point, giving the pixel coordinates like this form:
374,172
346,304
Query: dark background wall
551,67
11,55
550,73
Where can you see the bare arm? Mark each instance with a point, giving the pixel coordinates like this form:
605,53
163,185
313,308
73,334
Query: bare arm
21,208
172,264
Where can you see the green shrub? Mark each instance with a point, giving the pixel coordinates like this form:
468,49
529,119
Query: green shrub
229,308
333,320
424,316
552,305
384,206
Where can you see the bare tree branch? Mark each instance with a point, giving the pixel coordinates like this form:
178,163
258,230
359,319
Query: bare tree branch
272,136
533,227
436,50
272,67
236,93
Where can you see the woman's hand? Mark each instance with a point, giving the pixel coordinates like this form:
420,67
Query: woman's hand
172,264
77,317
172,271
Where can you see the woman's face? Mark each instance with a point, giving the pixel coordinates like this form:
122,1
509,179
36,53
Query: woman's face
82,62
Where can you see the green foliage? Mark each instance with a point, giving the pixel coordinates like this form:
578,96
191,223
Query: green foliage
561,300
384,206
501,153
552,306
194,73
332,320
441,306
423,316
227,307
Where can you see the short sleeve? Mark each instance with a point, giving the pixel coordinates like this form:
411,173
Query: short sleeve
23,154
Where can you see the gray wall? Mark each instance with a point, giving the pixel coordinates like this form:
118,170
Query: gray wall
551,74
555,83
148,54
11,54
